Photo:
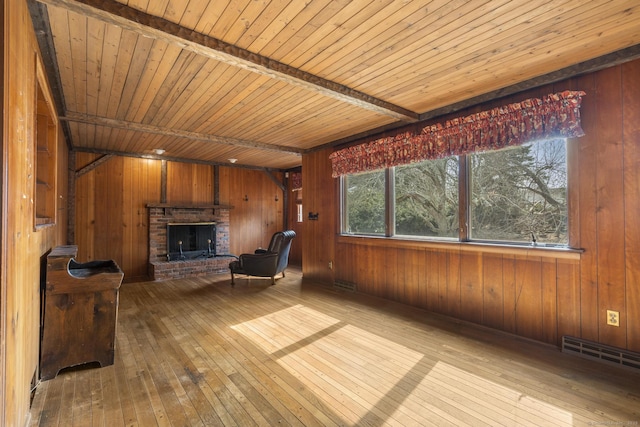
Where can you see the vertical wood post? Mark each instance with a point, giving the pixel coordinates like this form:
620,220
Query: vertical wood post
216,185
163,182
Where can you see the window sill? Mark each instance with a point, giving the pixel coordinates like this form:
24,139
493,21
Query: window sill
505,249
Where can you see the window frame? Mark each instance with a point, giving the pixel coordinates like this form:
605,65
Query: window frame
464,210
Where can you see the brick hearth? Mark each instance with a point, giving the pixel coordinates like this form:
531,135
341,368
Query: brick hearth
160,215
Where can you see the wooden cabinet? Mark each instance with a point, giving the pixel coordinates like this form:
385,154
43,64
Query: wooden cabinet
80,309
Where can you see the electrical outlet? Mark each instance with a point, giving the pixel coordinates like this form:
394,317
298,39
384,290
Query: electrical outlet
613,318
330,265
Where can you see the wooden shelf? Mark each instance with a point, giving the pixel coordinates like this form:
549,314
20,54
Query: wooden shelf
43,220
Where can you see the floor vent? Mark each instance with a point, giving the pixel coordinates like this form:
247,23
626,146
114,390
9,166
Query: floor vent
604,353
345,286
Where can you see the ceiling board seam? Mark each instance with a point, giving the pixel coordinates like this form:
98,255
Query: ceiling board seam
615,58
152,26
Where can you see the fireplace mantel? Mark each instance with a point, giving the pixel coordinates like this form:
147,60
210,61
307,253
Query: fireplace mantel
187,206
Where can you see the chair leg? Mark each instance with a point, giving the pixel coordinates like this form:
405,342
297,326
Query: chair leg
273,280
232,282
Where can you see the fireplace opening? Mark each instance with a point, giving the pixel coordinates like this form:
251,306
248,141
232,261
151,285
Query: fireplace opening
191,240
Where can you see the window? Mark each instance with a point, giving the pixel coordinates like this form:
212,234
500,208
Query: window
299,215
515,195
364,204
426,198
520,194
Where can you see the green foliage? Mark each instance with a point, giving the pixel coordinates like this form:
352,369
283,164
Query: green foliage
365,203
520,193
516,194
427,198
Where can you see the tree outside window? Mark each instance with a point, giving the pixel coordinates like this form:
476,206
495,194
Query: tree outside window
517,194
365,203
426,202
520,194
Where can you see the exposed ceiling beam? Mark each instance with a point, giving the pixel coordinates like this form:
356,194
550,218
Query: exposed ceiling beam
172,159
140,127
275,180
128,18
91,166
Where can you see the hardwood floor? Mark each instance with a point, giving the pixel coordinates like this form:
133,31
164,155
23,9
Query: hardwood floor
198,352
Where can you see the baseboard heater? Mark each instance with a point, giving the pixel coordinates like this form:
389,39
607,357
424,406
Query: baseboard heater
601,352
344,286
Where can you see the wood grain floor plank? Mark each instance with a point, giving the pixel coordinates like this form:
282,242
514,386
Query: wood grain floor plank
240,365
245,380
97,399
198,352
51,398
305,402
82,407
112,410
66,403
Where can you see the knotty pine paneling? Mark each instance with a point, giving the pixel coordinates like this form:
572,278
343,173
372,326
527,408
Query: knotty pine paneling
538,297
631,147
320,196
112,218
587,208
141,184
503,291
22,245
610,202
509,291
253,221
493,291
471,275
528,309
111,214
189,183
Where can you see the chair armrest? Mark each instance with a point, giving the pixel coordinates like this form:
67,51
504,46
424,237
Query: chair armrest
259,264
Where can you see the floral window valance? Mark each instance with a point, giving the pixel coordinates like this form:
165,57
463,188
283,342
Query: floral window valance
296,181
555,115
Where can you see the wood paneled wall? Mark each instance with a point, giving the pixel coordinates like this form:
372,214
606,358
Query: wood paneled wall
22,245
320,197
525,294
189,183
112,219
539,297
253,221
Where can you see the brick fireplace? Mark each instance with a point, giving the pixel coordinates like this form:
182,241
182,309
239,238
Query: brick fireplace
161,215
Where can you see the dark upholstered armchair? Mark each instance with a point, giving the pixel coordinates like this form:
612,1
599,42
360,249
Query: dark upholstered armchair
265,262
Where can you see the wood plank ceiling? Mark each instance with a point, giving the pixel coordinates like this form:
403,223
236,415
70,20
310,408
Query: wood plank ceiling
263,81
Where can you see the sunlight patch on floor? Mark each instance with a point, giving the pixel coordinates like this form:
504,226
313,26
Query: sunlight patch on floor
362,375
329,357
491,402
